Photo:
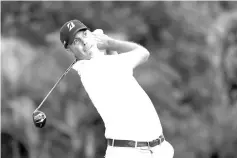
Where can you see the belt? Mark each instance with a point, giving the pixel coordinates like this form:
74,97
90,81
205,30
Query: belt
134,144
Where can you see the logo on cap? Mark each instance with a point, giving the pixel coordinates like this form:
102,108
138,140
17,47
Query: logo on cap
70,25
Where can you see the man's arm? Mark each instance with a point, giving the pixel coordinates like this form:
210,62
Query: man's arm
131,53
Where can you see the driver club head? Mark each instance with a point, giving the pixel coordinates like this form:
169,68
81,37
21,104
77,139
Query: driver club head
39,119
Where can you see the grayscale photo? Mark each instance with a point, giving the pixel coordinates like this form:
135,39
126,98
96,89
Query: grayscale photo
118,79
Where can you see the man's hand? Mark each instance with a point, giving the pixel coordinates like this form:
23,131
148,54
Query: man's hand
102,39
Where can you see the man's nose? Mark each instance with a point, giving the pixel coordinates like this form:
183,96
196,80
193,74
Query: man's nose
84,42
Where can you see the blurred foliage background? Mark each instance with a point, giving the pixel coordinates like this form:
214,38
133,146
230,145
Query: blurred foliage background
191,75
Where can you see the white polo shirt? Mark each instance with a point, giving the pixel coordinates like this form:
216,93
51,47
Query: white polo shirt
125,108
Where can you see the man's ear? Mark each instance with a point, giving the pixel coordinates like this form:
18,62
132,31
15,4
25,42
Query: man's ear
70,52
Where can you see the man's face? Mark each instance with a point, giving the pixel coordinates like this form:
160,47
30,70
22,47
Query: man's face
83,45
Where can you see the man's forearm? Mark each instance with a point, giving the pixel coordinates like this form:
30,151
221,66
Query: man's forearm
122,46
133,54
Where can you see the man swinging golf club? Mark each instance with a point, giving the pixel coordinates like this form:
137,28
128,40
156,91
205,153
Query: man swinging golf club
133,128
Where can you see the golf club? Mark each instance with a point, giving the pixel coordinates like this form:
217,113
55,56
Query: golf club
39,117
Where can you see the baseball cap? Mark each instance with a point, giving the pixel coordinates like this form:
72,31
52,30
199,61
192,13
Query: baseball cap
69,30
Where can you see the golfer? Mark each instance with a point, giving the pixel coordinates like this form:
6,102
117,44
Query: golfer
132,126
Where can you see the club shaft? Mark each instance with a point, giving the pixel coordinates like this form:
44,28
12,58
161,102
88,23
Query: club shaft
64,74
